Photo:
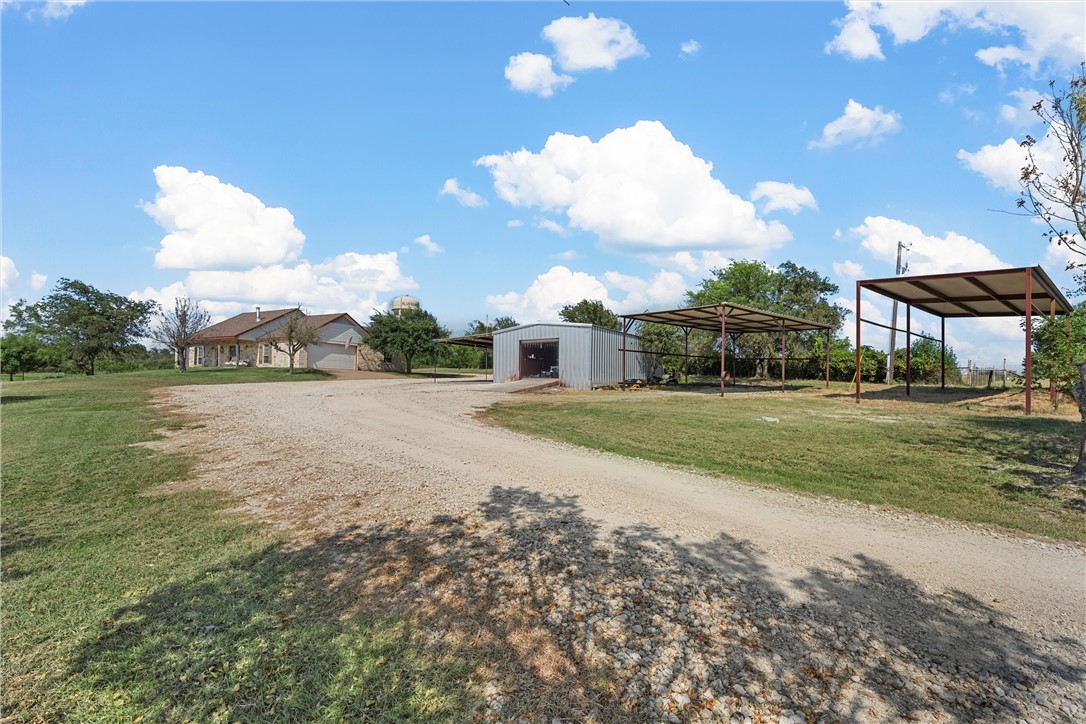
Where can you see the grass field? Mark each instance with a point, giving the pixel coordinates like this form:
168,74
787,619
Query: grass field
965,455
124,605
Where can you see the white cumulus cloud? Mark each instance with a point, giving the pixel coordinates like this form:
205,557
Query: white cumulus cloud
8,273
698,264
859,124
1002,164
429,245
690,47
559,286
214,225
848,269
56,9
1041,31
549,225
780,196
466,197
534,73
1020,113
550,291
927,254
37,281
591,42
636,187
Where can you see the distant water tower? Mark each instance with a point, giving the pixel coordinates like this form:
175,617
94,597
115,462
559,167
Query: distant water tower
404,303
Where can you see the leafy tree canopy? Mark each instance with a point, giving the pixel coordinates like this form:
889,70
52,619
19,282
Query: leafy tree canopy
83,323
481,327
19,354
590,311
410,333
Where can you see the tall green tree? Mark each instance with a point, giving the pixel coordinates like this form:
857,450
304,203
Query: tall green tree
81,323
1055,193
409,334
481,327
19,354
788,289
590,311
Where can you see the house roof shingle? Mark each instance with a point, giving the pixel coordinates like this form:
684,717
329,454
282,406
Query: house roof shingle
239,325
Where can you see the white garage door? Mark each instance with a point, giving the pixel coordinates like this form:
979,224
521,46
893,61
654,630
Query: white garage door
331,357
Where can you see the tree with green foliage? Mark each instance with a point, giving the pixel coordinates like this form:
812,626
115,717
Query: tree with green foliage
787,289
81,323
177,327
294,335
481,327
663,346
409,334
1055,193
19,354
926,362
590,311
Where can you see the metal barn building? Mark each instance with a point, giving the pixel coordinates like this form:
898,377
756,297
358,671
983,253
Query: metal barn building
581,356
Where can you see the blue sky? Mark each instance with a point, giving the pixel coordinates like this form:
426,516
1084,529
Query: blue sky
509,158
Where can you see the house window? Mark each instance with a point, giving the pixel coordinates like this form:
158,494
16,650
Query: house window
265,354
200,354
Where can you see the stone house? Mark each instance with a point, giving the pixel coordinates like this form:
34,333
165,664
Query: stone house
248,340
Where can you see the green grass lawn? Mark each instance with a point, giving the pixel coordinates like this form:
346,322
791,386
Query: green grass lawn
948,456
120,604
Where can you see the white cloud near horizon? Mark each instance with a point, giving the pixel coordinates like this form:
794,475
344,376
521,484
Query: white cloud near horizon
858,124
214,225
636,188
699,264
37,281
780,196
350,282
559,286
430,246
589,43
1050,31
8,273
466,197
927,254
534,73
690,47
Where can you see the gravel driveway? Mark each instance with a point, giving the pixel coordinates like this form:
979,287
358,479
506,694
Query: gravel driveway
604,587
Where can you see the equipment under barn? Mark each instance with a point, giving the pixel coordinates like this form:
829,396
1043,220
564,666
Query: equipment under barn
580,356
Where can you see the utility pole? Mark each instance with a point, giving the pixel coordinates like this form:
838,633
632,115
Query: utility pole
893,318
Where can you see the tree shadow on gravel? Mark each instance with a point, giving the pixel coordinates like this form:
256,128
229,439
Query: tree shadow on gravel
547,614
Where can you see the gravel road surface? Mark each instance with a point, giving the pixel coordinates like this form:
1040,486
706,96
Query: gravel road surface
690,597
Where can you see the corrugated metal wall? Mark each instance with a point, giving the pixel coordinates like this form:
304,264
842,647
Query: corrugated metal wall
588,356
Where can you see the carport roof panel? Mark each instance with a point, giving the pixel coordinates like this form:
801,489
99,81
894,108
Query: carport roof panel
989,293
484,340
737,318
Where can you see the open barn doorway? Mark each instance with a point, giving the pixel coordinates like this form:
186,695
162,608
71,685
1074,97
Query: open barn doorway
539,358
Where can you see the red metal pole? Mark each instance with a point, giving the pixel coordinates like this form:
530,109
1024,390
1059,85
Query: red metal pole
828,340
686,357
782,358
942,352
857,343
1029,341
1051,378
625,326
908,350
722,368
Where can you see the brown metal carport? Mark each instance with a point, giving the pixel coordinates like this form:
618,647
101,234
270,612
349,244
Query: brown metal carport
1019,292
727,318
